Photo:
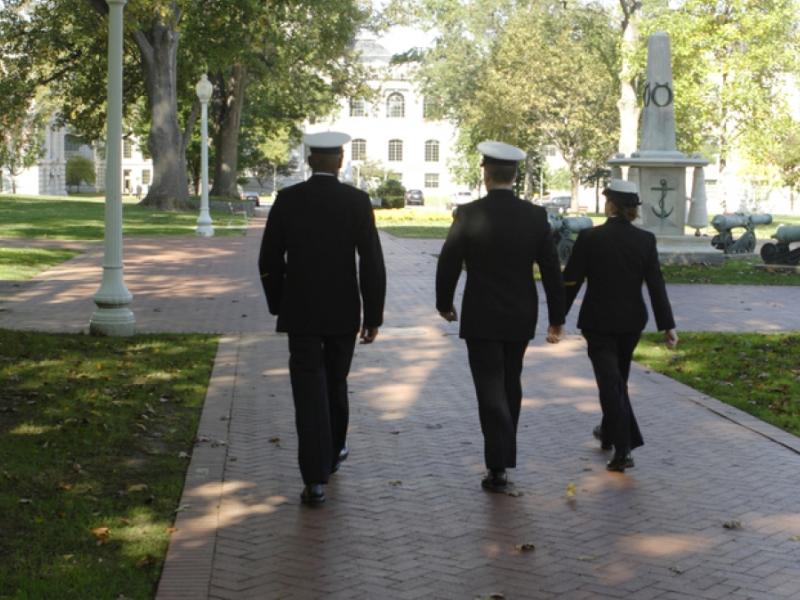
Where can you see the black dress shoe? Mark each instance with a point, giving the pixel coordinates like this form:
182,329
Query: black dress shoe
495,480
313,494
620,462
343,454
597,432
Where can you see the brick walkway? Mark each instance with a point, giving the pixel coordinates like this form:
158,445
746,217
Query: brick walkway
405,516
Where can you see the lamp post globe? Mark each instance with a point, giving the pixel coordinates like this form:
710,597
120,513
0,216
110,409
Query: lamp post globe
204,89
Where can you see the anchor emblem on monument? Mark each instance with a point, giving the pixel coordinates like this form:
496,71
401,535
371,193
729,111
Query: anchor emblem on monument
662,213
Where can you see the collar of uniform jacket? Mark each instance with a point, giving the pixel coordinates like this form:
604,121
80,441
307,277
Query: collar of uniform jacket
618,219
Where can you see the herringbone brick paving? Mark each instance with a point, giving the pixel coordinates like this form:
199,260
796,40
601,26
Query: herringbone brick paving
405,516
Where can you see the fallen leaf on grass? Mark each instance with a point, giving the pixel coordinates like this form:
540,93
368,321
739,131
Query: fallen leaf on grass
514,493
275,440
525,547
137,487
732,525
183,454
147,561
101,534
25,501
182,507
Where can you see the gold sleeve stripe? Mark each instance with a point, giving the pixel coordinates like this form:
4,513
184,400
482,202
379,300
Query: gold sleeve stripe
570,283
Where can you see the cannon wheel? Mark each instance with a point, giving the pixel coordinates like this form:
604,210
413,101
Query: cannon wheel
565,249
769,253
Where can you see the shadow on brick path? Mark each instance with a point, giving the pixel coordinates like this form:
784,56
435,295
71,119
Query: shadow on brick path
405,516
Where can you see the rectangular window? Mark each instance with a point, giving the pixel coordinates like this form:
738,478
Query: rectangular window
358,108
146,176
431,151
358,149
395,150
431,180
127,149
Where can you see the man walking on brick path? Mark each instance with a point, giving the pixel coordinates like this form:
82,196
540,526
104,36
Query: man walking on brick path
499,237
616,258
308,270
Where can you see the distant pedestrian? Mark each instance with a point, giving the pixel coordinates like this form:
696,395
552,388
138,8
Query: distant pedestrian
499,238
308,269
616,258
138,191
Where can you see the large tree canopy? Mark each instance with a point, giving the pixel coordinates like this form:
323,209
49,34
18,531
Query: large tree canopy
290,56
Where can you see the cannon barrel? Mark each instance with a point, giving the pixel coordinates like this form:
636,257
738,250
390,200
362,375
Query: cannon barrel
787,234
576,224
761,219
728,222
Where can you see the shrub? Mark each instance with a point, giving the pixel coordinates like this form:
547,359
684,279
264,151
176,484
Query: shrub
79,170
393,194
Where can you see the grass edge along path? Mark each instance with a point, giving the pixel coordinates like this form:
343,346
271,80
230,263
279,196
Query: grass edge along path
95,437
756,373
69,218
18,264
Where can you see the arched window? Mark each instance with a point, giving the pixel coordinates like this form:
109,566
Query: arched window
395,150
431,151
395,105
358,149
358,108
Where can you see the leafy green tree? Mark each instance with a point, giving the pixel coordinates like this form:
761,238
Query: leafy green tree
79,170
729,58
371,174
21,139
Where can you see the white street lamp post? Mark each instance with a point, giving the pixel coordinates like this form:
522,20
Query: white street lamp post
205,225
113,315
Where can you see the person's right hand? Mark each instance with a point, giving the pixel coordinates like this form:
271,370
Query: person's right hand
671,338
449,315
368,334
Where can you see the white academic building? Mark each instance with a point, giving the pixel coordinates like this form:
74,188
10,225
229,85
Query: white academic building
392,129
48,176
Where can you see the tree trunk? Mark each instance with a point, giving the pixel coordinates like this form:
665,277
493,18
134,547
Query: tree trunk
575,183
169,189
226,140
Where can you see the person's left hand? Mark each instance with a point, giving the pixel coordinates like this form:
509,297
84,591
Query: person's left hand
449,315
555,333
368,334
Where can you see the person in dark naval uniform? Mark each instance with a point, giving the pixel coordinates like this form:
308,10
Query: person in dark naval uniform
616,258
499,237
308,269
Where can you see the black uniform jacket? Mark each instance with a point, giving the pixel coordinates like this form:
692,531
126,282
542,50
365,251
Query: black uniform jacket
307,261
616,258
499,237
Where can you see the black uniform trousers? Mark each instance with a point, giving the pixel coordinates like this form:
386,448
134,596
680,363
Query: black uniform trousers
318,368
611,355
496,368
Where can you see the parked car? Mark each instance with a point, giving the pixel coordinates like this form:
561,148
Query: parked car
414,198
557,204
457,199
252,196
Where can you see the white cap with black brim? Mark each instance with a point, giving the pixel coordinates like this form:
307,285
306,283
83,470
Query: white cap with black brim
325,142
500,153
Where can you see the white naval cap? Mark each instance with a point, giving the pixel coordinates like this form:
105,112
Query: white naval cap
627,192
500,153
326,142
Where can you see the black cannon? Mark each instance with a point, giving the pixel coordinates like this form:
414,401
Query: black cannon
565,230
780,253
725,224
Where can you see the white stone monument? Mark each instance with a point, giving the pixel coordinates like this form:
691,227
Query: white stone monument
658,167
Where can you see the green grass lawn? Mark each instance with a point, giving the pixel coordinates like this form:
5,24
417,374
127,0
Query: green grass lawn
758,373
414,222
23,263
91,431
82,218
736,271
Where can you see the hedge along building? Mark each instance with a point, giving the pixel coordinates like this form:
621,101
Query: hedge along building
394,130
